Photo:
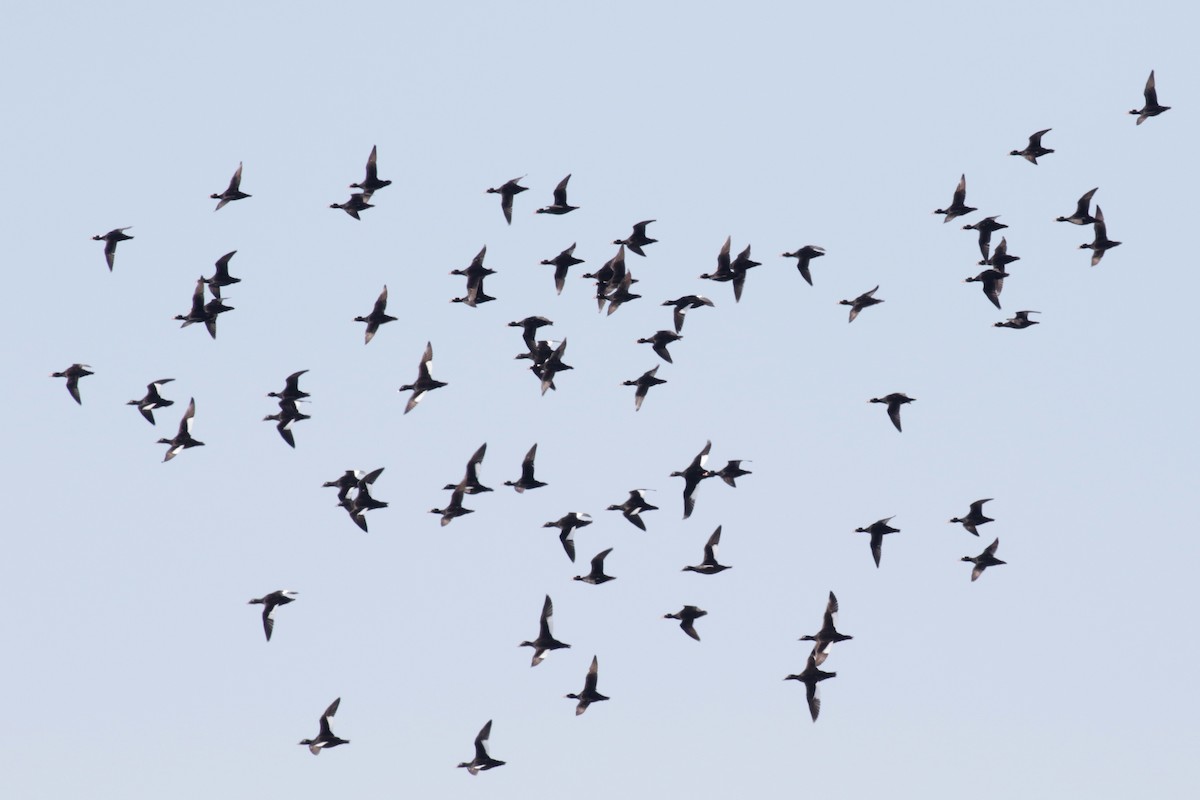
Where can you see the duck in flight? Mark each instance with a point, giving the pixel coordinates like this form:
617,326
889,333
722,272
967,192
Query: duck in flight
1034,149
110,240
560,200
992,281
325,738
183,439
810,677
1081,215
377,317
561,263
371,183
73,373
894,401
1021,320
638,239
958,206
507,191
234,192
709,565
470,483
356,203
424,383
1151,108
589,694
984,560
483,759
527,479
269,603
864,300
1101,242
687,617
804,257
152,400
221,277
974,517
596,576
643,384
692,475
683,305
566,526
633,507
878,530
828,634
545,641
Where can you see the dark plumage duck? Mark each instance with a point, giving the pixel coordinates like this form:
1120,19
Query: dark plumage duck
377,317
724,272
545,640
362,501
1081,215
73,373
352,479
660,340
986,227
610,275
221,277
692,475
475,294
643,384
684,304
454,508
203,312
740,265
709,565
234,192
325,738
958,206
529,328
974,517
371,183
152,400
687,616
110,240
560,200
356,203
1021,320
183,439
878,530
424,382
732,471
1151,108
566,526
1101,242
993,283
633,507
1034,149
269,603
507,192
894,401
288,413
984,560
827,635
638,239
527,480
552,366
864,300
561,263
621,295
597,576
589,694
482,759
291,388
804,257
470,483
1000,257
475,272
810,677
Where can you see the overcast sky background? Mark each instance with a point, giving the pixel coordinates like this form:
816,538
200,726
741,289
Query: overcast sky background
133,666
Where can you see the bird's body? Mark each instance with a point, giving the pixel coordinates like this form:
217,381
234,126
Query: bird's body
692,475
371,183
878,530
958,206
424,383
357,203
683,305
596,576
864,300
894,401
183,439
545,641
269,603
482,761
589,694
234,192
221,277
73,373
1034,149
804,257
527,479
659,341
974,517
566,526
633,507
687,617
1101,242
638,239
986,227
560,200
1081,215
984,560
709,565
561,263
643,384
377,317
992,281
470,483
507,191
325,738
110,240
152,399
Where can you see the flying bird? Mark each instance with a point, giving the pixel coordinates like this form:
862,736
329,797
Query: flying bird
288,413
269,603
356,203
1081,215
827,635
633,507
958,206
325,738
864,300
709,565
424,382
371,182
234,191
110,240
804,257
221,277
566,526
1101,242
732,471
660,340
687,616
73,373
643,384
377,317
183,439
684,304
1034,149
470,483
638,239
507,192
993,283
985,227
482,759
878,530
1021,320
810,677
545,641
152,400
561,263
1151,108
984,560
527,480
692,475
589,694
454,508
974,517
596,576
560,200
291,388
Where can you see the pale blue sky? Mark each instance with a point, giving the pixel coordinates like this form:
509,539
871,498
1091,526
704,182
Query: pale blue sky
133,665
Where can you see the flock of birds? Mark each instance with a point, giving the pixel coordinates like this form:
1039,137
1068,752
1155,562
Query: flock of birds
613,288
